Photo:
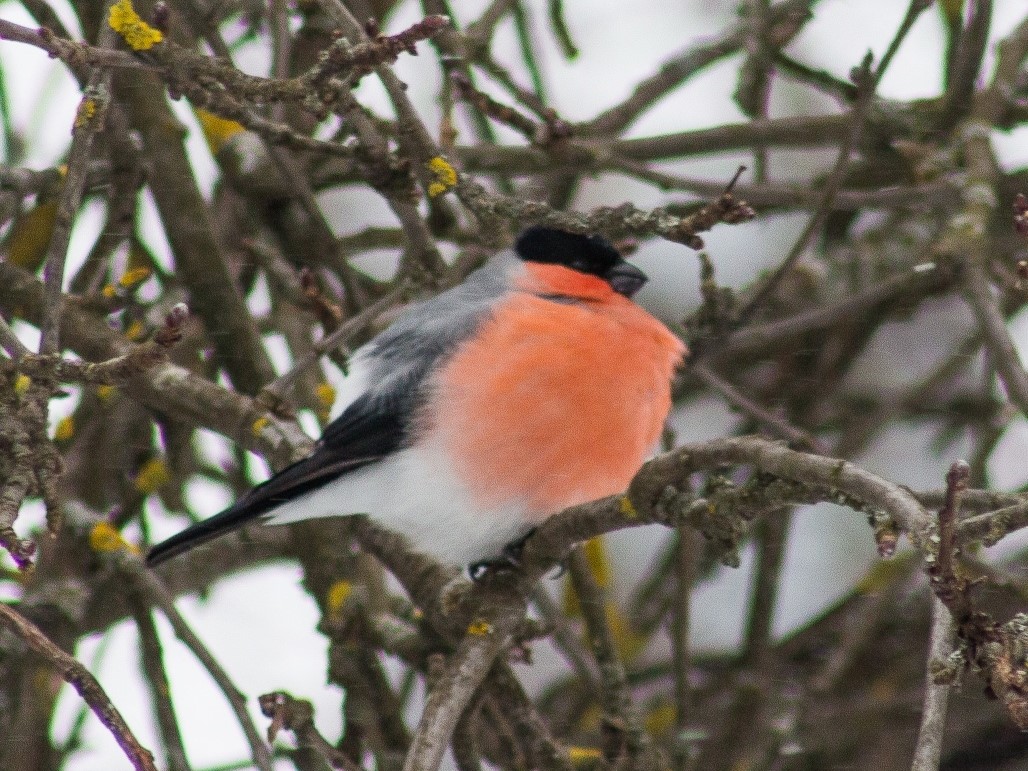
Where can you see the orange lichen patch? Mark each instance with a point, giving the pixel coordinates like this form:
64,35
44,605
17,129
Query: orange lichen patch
479,628
135,330
596,556
30,235
629,642
259,425
105,392
661,719
556,404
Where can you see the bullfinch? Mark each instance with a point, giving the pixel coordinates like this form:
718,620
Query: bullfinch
534,385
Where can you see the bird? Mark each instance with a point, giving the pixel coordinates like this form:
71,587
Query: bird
534,385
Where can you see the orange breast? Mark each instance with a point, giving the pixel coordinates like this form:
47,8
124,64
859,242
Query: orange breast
555,404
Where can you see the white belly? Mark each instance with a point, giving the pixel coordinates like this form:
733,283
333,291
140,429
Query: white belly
414,492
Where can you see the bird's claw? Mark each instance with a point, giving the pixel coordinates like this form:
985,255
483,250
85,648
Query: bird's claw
509,559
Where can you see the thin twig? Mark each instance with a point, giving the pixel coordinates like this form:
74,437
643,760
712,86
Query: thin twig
788,20
10,342
966,62
619,712
772,537
297,715
928,751
79,678
614,222
280,387
487,637
150,586
735,398
1005,357
867,81
156,677
565,640
115,371
754,86
688,549
90,120
76,54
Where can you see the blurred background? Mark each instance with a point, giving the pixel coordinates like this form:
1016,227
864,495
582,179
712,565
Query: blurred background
260,623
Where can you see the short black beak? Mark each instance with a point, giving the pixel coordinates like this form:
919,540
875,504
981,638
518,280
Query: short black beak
626,279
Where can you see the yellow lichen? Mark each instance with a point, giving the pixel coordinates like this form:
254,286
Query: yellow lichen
139,35
479,628
217,130
85,112
882,575
21,384
338,594
109,291
30,236
259,425
599,562
445,176
133,276
326,398
65,429
629,642
152,475
953,10
105,392
590,718
583,754
627,508
599,565
661,719
326,395
105,538
135,330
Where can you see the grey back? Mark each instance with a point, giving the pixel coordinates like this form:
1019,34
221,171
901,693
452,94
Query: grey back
400,358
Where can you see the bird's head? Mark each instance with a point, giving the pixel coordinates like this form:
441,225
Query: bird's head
592,255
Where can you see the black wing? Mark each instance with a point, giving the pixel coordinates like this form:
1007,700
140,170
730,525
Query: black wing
367,431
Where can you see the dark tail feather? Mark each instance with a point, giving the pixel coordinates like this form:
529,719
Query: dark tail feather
238,515
327,463
290,483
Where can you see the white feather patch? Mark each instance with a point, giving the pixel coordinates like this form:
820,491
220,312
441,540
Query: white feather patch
415,492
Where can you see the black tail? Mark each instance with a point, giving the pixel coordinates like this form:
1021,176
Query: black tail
238,515
290,483
363,434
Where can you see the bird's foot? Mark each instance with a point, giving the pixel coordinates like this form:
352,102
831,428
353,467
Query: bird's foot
507,560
